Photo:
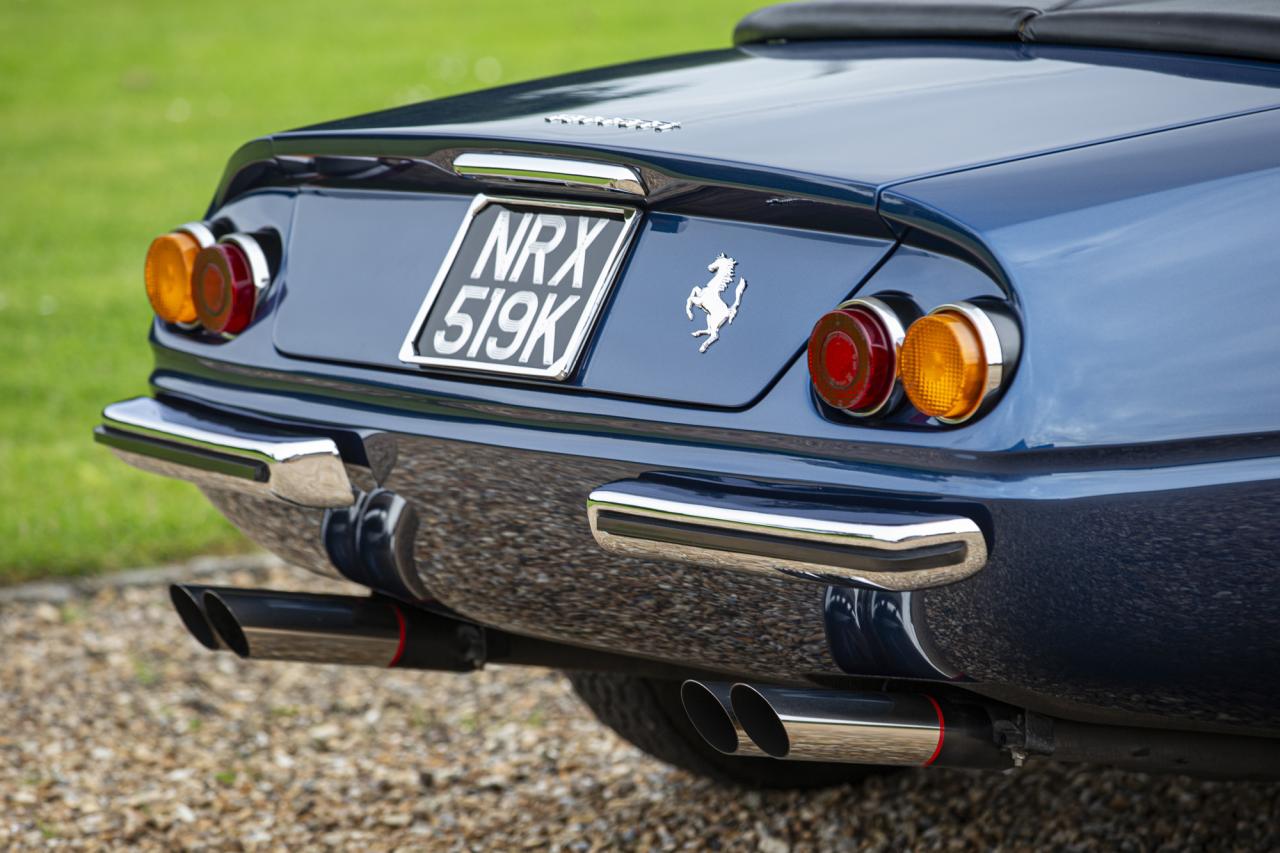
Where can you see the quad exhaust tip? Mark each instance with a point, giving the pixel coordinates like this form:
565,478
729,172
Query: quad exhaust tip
853,727
709,716
271,625
263,624
225,625
373,630
761,720
858,727
710,712
187,600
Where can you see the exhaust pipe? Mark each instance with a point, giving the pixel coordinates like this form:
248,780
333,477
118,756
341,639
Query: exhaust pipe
747,720
906,729
341,629
708,707
188,600
263,624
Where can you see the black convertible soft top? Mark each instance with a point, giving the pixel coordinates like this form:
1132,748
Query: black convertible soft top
1245,28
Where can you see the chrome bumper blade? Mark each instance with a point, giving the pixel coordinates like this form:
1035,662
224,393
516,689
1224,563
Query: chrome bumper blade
226,453
825,544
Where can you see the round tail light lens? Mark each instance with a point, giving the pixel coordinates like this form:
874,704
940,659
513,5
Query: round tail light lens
225,283
167,272
853,354
951,362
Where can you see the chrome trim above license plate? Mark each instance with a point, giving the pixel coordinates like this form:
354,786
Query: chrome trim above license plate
548,170
564,366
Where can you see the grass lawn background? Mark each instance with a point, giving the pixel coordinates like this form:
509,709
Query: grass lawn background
115,122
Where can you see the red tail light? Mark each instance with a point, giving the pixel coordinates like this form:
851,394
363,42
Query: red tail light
225,282
853,355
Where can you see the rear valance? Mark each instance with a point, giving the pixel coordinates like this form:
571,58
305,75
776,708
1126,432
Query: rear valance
1245,28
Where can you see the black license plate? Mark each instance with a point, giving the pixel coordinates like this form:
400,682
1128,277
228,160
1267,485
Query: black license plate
521,287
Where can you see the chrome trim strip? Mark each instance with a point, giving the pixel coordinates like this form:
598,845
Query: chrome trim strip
604,285
992,350
916,552
259,268
525,168
212,451
203,236
204,239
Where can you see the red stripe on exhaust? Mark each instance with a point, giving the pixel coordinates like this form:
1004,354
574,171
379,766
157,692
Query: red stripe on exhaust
942,731
404,633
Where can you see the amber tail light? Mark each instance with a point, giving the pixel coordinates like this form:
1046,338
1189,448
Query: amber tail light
167,272
953,360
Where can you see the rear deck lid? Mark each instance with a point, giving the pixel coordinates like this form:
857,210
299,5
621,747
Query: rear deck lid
860,113
823,119
686,309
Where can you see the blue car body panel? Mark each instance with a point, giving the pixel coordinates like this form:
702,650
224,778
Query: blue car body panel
1140,266
342,241
850,116
1127,480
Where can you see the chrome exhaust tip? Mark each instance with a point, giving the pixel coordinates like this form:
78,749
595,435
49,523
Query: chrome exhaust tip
760,722
263,625
901,729
224,625
708,708
186,599
376,630
340,629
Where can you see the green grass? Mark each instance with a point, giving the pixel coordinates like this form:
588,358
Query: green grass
115,122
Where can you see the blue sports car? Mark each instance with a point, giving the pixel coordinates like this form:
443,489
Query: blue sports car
898,387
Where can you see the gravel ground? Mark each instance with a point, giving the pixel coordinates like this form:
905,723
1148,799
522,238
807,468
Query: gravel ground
117,730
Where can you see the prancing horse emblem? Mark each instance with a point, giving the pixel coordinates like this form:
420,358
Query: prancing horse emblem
709,299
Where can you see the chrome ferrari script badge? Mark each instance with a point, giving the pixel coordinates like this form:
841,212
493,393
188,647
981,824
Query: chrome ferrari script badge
710,299
613,121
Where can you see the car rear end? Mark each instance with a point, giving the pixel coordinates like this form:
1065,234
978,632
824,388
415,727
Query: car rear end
811,366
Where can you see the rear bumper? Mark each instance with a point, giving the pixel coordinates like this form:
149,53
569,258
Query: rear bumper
1098,600
225,452
813,541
